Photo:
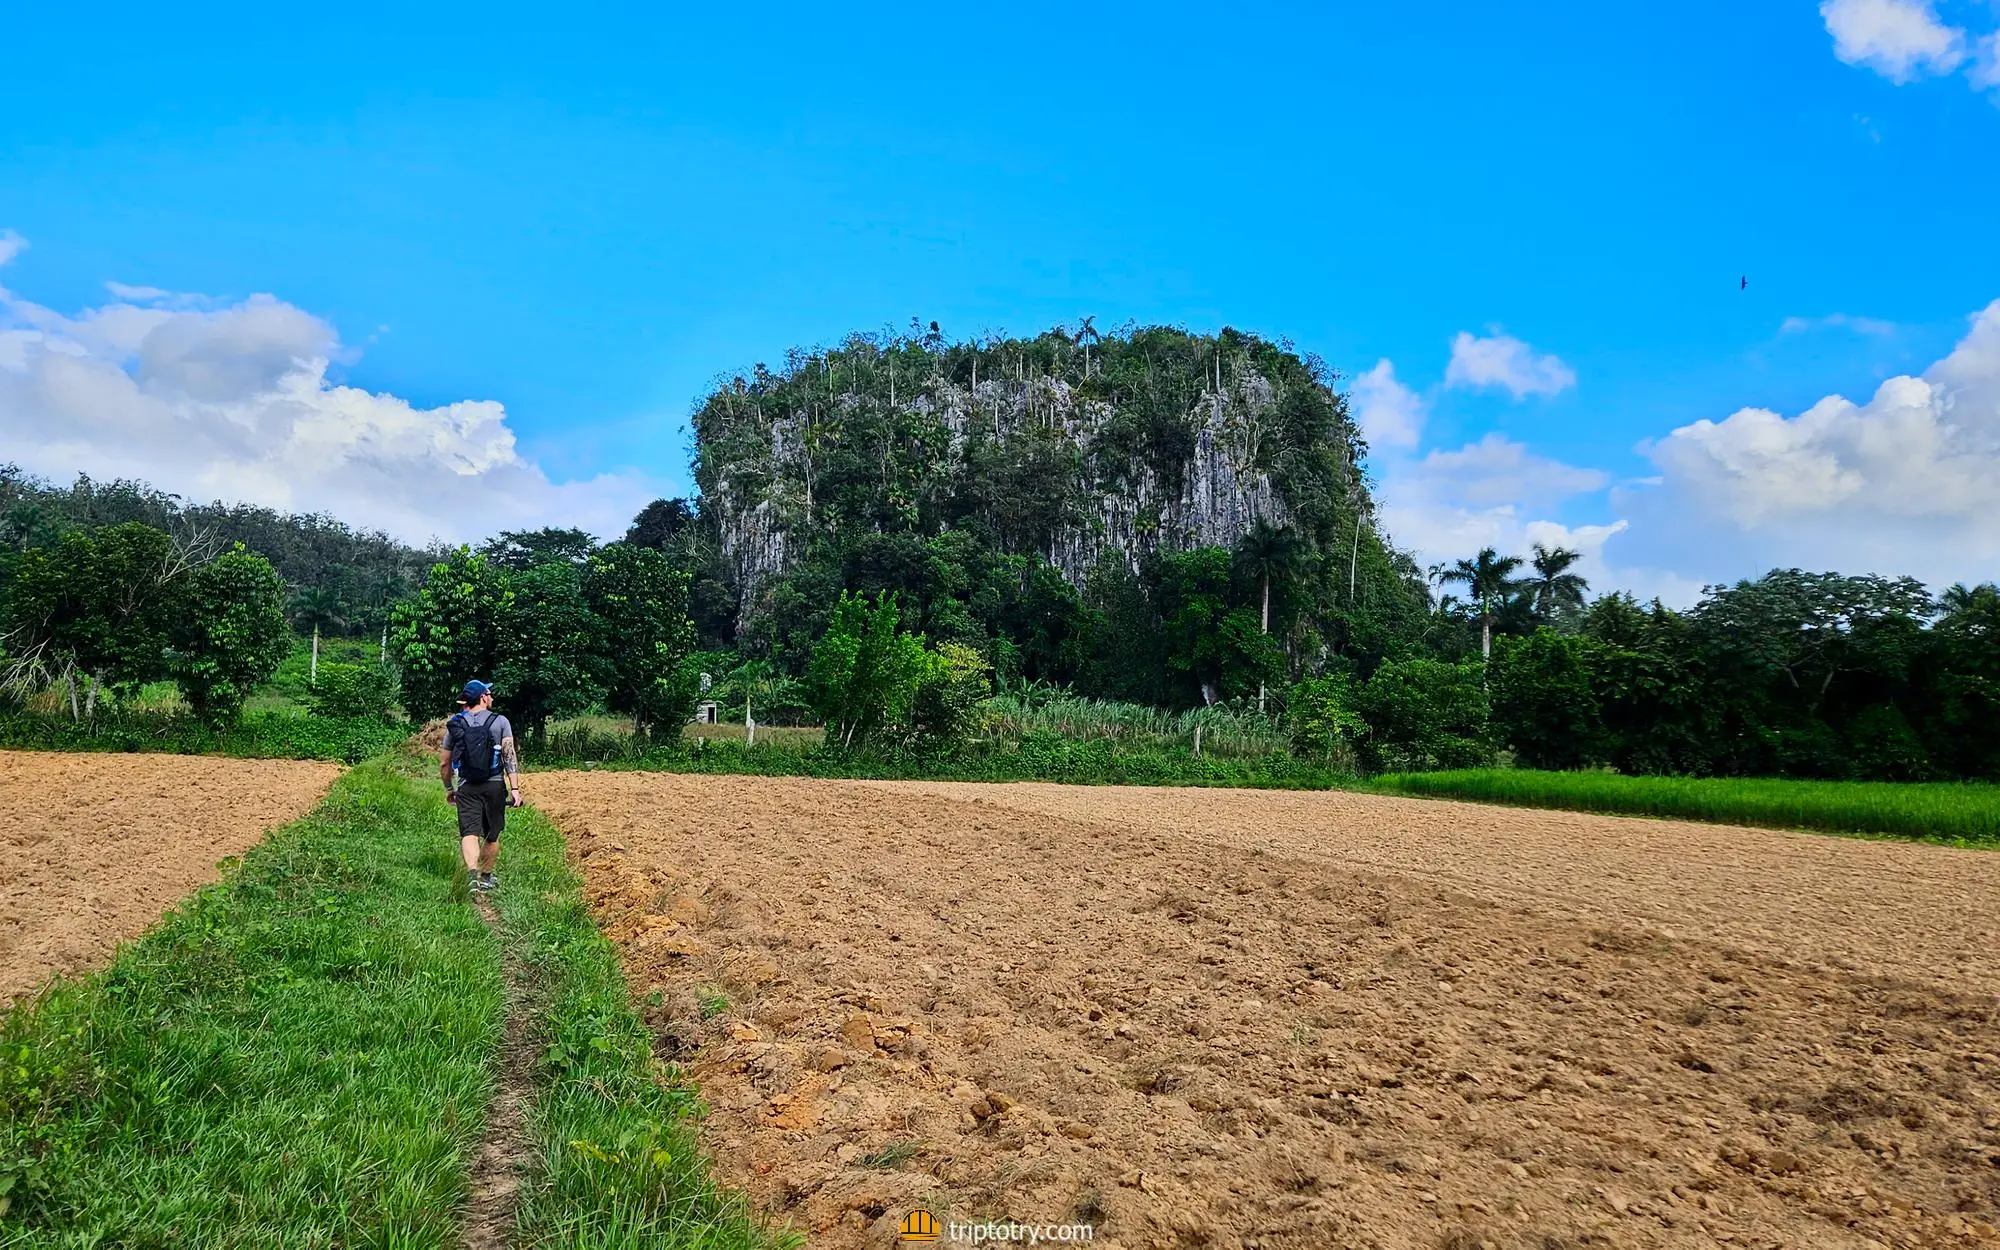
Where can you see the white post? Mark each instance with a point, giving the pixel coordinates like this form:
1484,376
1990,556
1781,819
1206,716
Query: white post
1197,739
749,726
312,676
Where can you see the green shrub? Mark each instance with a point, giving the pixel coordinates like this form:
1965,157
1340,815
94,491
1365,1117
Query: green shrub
955,682
1424,714
1544,706
352,691
257,735
1320,719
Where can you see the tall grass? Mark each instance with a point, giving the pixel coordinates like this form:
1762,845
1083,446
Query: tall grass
1965,814
1226,733
257,735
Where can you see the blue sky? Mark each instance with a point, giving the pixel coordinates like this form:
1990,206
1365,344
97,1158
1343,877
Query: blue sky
581,216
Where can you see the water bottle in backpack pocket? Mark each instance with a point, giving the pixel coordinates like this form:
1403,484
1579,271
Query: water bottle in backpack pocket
479,749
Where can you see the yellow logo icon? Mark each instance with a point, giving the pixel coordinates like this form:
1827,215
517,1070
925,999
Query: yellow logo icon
920,1225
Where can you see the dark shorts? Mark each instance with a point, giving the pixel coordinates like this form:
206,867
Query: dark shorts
482,809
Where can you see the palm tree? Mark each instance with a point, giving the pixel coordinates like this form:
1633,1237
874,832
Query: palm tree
318,607
1489,577
1961,596
1553,589
1269,552
757,680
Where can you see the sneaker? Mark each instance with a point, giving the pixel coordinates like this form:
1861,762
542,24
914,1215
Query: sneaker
486,881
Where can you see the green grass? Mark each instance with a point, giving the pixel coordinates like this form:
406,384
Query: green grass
615,1163
303,1054
1962,814
1036,756
258,735
298,1055
1231,734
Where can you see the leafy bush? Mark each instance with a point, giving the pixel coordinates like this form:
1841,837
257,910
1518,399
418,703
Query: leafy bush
124,606
946,707
864,673
1320,718
353,691
1544,705
230,633
257,735
1424,714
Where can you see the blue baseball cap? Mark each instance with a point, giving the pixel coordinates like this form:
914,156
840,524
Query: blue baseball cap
474,690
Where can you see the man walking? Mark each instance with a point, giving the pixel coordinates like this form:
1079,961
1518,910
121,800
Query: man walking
479,744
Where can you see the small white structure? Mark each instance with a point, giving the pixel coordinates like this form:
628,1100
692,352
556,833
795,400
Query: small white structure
704,713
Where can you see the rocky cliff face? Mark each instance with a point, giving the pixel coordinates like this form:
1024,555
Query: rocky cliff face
1079,452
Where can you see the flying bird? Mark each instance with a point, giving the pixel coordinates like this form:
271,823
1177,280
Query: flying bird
1745,286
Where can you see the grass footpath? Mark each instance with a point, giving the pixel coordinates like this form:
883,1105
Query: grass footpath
303,1055
1961,814
296,1056
614,1162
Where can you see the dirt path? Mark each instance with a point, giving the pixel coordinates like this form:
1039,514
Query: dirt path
1202,1018
94,847
493,1182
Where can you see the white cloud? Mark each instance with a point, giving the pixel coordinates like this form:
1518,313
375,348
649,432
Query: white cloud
1898,39
136,294
1390,414
235,403
1838,321
11,245
1501,360
1985,69
1491,493
1903,483
1497,470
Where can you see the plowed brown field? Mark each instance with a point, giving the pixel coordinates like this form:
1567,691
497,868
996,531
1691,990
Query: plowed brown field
94,847
1210,1018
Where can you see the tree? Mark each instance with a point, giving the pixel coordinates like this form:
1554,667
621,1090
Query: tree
755,682
1424,714
864,673
100,604
1806,629
1489,579
1220,647
640,601
552,648
1959,684
1269,553
944,710
451,631
1320,719
659,523
315,609
1554,590
516,550
1543,704
229,633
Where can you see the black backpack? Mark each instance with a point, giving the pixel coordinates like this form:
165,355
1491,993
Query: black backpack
478,749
